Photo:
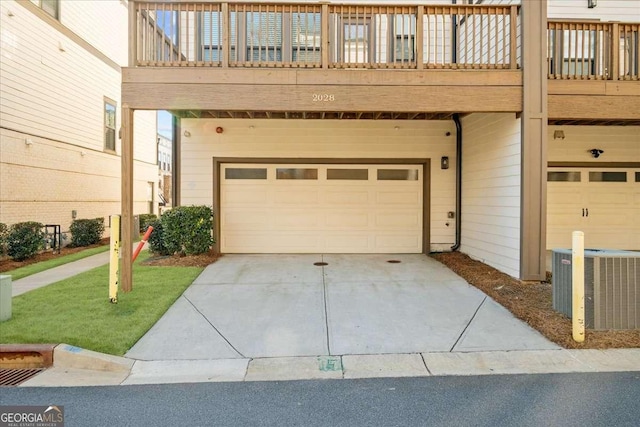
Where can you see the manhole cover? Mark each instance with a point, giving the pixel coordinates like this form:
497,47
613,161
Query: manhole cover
14,377
394,261
320,264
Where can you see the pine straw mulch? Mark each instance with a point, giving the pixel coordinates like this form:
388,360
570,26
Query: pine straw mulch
7,264
532,303
202,260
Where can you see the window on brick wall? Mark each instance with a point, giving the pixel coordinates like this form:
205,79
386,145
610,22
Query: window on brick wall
52,7
109,125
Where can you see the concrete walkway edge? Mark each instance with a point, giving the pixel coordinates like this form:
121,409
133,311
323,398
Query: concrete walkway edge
78,367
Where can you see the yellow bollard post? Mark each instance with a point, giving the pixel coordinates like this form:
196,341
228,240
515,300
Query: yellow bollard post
577,280
114,259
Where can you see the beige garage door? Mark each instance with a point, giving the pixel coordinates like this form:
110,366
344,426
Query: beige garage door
603,203
310,208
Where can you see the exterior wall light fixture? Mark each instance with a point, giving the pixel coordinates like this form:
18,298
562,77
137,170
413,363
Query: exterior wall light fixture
592,3
558,134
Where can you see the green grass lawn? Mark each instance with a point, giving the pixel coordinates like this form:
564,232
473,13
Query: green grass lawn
28,270
77,310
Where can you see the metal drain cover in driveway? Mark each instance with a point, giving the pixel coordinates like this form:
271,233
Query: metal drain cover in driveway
14,377
394,261
320,264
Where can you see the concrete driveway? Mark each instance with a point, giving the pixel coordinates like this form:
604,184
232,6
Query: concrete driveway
251,306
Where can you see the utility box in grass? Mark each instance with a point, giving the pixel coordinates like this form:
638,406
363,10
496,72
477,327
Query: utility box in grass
611,287
5,298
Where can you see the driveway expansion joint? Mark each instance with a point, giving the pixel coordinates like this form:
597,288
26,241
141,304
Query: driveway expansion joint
468,324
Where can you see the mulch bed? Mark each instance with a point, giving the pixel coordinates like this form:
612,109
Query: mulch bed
532,303
202,260
7,264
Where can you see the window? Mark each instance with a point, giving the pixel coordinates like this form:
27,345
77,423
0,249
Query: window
296,173
264,36
211,36
52,7
607,177
305,37
637,176
397,174
356,41
563,176
245,173
109,125
348,174
404,41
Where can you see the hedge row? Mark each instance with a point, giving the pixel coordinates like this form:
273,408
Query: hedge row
183,230
25,239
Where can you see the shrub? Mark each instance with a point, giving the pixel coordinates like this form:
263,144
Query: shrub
85,232
146,220
24,240
4,233
156,240
187,229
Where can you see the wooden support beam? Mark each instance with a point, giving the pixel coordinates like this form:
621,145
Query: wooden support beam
133,35
126,268
533,191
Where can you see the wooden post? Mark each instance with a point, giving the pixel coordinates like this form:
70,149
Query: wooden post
226,40
615,51
133,36
533,168
420,38
513,33
126,271
324,36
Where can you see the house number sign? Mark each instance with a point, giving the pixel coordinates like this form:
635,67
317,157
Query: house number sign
323,97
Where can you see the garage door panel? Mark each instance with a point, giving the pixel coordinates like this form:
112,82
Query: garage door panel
398,220
347,197
406,242
344,214
602,204
247,195
347,220
608,197
398,197
337,243
241,218
295,219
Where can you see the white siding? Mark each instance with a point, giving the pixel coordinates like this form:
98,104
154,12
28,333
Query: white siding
491,190
607,10
620,143
322,139
101,23
49,92
53,90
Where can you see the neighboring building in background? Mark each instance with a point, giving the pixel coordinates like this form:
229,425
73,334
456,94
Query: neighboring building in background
60,86
320,127
165,148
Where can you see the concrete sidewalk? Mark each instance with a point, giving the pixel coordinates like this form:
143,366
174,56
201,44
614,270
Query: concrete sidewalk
56,274
72,366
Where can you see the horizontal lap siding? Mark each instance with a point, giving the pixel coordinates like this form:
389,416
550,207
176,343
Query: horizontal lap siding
322,139
620,143
491,190
53,91
606,10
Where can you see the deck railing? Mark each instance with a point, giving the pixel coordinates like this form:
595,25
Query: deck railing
593,50
315,35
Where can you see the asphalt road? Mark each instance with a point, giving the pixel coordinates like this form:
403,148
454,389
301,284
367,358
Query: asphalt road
602,399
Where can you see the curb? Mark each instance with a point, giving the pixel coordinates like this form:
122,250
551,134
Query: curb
69,356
